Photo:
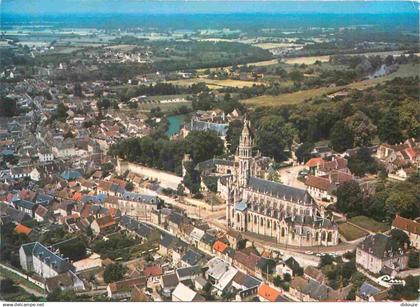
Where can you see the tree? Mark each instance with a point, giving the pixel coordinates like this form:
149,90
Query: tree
8,107
349,197
407,292
74,250
363,163
114,272
7,285
287,277
203,145
180,190
296,76
389,130
277,281
61,112
232,135
191,178
303,152
362,128
103,103
78,90
341,137
274,136
400,238
325,260
106,169
413,259
129,186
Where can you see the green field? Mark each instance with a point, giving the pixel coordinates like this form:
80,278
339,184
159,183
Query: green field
405,70
351,232
19,280
369,224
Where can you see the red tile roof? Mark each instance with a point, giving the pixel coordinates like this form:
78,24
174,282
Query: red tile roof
268,293
406,224
219,246
152,271
314,162
105,221
23,229
320,183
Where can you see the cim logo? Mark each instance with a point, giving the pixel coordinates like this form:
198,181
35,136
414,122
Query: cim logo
388,281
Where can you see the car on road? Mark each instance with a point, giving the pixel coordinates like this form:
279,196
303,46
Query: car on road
309,252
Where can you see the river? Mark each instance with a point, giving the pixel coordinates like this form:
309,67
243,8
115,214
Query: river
175,124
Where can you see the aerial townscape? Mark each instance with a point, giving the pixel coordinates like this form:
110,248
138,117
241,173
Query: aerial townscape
179,152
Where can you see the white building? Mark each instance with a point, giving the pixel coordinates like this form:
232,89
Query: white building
35,257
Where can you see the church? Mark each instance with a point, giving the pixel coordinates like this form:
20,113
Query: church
264,207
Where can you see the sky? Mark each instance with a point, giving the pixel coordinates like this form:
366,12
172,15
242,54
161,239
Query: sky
68,7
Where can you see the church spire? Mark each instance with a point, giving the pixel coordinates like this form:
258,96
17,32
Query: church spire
244,154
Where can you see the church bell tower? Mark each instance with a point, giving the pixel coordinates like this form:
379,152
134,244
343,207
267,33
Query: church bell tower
244,154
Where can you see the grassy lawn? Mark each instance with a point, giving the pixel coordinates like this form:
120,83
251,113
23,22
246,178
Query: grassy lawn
290,98
405,70
215,84
350,232
19,280
370,224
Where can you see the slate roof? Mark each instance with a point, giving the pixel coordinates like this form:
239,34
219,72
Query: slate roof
292,263
44,199
176,218
192,257
168,240
170,280
16,215
316,290
366,290
198,125
280,190
70,175
25,204
241,206
246,280
140,197
208,239
143,230
188,271
39,251
379,245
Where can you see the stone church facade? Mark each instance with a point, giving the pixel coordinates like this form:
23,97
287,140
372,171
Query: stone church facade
268,208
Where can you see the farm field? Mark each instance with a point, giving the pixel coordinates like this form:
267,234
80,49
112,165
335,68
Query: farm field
215,84
163,106
276,45
405,70
307,60
350,232
369,224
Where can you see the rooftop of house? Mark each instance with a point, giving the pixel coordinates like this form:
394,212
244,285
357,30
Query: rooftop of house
381,246
405,224
22,229
280,190
48,257
127,285
268,293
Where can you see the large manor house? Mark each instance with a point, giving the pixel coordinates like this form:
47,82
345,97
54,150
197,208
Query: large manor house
265,207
